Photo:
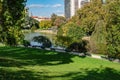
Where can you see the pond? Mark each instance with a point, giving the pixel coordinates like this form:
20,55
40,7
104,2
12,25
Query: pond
30,35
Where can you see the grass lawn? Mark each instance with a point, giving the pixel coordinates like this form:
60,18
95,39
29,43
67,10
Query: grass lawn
36,64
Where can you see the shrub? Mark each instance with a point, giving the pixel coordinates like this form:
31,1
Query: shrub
77,47
26,43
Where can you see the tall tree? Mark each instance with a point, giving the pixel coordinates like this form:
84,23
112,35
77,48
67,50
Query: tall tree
100,18
89,15
112,19
91,18
0,16
12,17
69,33
53,18
59,21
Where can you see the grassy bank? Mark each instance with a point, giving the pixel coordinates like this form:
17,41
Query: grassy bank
35,64
46,31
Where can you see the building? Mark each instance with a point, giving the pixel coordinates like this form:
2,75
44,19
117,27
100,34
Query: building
72,5
40,18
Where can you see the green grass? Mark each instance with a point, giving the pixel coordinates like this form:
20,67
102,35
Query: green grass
35,64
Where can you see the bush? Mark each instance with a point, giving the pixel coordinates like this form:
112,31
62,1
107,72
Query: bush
26,43
77,47
97,42
45,24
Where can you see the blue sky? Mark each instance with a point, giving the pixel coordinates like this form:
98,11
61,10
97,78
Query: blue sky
45,7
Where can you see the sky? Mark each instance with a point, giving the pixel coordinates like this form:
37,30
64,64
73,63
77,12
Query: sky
45,8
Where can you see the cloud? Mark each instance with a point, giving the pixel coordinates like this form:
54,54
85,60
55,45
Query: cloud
44,6
59,11
36,6
57,5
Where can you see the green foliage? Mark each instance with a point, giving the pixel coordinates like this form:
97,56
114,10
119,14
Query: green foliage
98,39
0,7
77,47
26,43
29,22
53,18
89,15
57,20
34,24
102,23
70,33
113,40
113,28
64,41
12,18
0,16
45,24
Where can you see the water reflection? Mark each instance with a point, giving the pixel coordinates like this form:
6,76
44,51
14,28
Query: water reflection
30,35
42,41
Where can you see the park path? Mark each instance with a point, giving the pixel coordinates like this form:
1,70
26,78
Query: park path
96,56
76,53
80,54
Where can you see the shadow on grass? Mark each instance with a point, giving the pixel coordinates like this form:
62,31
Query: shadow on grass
16,57
98,74
9,62
91,74
83,74
6,74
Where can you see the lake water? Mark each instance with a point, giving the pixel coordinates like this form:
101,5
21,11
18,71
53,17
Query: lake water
29,36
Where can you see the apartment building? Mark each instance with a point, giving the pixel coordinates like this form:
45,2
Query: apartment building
72,5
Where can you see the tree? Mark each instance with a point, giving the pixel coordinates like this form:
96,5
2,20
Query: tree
53,18
1,17
98,39
45,24
12,17
102,23
29,22
70,33
113,28
89,15
59,21
0,9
